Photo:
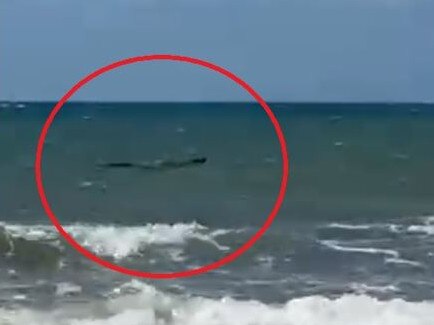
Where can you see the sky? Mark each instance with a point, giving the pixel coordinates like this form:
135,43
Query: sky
288,50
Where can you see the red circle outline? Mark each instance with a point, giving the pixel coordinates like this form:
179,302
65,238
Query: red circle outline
190,272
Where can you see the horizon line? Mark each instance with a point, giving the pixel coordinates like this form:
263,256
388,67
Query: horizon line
222,102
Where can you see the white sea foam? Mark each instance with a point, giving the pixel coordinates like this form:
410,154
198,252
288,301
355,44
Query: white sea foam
361,288
403,262
19,297
30,232
122,241
391,227
391,256
137,304
427,227
335,245
349,226
85,184
266,261
67,289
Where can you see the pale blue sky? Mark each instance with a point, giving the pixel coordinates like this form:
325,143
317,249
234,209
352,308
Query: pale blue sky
292,50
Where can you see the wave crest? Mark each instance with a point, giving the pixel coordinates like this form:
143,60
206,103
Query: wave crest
121,241
136,303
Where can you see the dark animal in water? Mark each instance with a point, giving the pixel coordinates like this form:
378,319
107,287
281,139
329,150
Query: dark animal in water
158,164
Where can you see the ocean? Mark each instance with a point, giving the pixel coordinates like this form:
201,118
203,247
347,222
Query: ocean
352,244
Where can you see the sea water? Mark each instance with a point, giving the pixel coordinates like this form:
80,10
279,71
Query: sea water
352,243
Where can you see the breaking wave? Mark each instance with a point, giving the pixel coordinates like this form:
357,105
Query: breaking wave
118,241
136,303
